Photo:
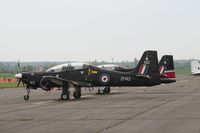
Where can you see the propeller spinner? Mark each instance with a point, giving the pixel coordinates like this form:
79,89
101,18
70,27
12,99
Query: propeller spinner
19,77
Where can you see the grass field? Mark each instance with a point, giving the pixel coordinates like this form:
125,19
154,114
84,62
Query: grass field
2,75
183,71
8,85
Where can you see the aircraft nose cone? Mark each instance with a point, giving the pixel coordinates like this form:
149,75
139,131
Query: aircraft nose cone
18,76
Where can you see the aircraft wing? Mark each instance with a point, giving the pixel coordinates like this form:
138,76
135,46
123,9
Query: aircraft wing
59,81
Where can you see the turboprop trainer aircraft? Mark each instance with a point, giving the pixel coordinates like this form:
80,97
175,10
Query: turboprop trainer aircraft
195,67
145,74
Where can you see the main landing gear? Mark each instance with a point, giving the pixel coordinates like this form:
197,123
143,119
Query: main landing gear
104,90
77,92
66,93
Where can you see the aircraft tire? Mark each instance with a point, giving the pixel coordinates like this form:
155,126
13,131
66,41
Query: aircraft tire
107,90
104,91
64,96
99,91
26,97
77,94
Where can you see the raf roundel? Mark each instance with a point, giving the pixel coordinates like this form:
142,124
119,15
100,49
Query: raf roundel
105,78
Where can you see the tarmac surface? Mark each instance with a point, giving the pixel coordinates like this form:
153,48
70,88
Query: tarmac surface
171,108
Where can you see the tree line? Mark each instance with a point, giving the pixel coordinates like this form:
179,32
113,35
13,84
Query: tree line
12,67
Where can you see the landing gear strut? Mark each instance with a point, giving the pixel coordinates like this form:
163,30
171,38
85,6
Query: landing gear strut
65,91
26,97
77,92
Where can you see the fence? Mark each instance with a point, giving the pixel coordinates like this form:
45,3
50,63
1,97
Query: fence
8,80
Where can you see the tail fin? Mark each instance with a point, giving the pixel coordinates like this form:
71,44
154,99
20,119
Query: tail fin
148,67
195,67
166,68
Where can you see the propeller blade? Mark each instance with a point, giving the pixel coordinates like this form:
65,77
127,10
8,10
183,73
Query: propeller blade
24,69
18,64
19,82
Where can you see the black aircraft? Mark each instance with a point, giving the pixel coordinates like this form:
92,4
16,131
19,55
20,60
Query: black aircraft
145,74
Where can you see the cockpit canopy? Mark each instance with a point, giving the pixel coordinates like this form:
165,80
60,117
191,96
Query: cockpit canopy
67,67
108,66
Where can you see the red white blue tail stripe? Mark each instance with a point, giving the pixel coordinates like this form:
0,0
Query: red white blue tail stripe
143,69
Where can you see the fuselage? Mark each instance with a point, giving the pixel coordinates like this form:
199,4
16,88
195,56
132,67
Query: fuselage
93,76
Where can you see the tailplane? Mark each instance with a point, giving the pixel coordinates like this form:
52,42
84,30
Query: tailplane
166,68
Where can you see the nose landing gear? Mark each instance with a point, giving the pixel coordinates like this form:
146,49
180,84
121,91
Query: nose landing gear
26,97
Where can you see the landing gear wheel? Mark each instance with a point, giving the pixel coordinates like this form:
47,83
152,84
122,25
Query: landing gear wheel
77,94
65,91
64,96
104,91
26,97
101,90
107,90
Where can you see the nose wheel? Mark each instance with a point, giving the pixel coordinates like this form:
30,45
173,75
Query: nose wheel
26,97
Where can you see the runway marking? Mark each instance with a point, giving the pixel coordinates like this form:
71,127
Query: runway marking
39,103
115,91
181,81
85,96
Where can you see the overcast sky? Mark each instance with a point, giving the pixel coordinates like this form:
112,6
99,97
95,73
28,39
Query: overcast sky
84,30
